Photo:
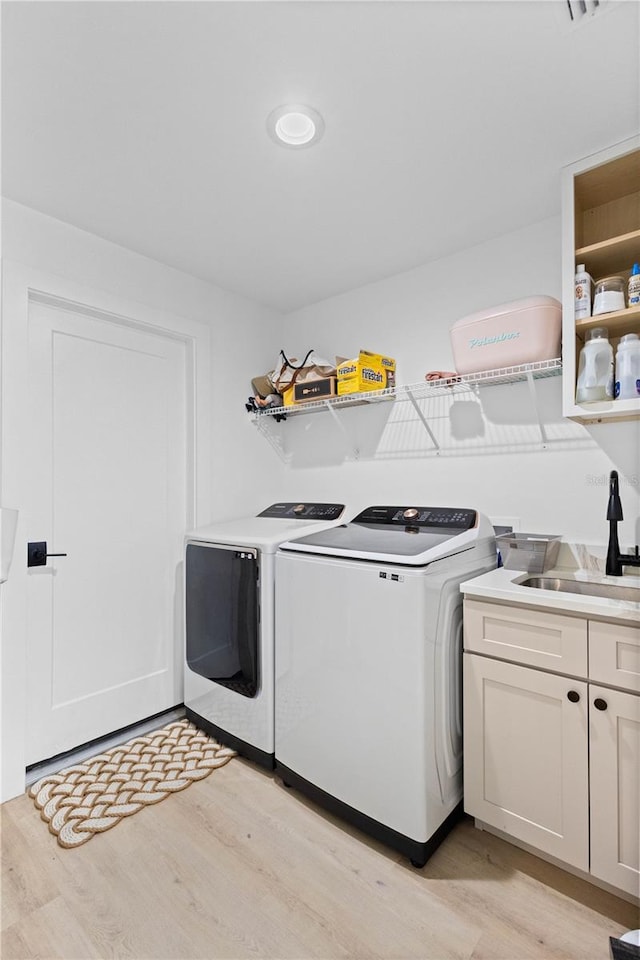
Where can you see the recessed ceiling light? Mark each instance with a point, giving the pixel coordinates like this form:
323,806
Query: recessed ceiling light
294,125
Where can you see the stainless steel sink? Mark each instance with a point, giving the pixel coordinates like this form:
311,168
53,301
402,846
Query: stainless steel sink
612,591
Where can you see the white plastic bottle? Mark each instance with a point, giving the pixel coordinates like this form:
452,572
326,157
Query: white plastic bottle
628,368
583,291
595,368
633,288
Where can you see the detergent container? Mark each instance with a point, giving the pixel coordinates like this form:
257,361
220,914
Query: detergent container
628,368
609,295
633,286
595,368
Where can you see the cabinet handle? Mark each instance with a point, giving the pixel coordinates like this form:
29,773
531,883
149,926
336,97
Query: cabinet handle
600,704
573,695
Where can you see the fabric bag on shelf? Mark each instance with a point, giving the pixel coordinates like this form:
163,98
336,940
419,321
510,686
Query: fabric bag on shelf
288,371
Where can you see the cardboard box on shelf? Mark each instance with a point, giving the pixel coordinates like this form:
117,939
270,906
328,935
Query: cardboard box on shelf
319,389
367,371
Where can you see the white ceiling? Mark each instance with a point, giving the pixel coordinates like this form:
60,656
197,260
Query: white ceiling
446,123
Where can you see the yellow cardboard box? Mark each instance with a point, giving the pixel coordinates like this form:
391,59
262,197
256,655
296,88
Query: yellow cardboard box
368,371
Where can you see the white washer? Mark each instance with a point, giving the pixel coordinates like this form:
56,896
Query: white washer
229,622
368,668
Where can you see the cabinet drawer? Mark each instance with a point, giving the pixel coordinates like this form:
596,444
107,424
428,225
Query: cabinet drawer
532,637
614,654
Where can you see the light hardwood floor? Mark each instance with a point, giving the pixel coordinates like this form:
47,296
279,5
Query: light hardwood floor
237,866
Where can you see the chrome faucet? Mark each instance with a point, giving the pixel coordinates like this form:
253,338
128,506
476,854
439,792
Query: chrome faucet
616,560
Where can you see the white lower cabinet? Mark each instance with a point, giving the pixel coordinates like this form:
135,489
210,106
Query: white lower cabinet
526,762
614,741
551,759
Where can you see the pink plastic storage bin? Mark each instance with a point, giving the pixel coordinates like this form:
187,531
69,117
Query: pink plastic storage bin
524,331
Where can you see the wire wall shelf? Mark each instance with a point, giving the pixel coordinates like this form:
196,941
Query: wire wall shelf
422,390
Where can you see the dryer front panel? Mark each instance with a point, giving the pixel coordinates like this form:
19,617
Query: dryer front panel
222,615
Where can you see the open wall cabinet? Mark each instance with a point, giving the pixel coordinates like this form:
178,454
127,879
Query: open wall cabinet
600,228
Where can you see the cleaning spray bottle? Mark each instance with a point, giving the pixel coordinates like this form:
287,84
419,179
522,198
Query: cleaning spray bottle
583,290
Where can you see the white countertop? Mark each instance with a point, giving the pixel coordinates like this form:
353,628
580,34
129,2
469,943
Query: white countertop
505,586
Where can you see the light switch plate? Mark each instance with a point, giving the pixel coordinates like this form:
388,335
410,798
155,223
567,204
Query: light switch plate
505,524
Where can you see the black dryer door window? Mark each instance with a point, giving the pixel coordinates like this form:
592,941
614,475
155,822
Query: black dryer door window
222,616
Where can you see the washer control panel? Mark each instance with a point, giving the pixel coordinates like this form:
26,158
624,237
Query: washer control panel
304,511
450,517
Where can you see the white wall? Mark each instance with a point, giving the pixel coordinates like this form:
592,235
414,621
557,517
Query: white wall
560,488
243,334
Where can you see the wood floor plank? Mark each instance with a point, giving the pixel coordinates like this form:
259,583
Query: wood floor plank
25,886
236,867
52,930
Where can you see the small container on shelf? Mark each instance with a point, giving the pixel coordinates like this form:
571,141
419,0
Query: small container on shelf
609,295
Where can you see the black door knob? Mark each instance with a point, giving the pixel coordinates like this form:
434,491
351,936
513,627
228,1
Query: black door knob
573,695
600,704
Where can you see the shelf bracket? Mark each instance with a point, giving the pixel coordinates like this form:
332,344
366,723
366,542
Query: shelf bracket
534,397
422,417
264,425
341,426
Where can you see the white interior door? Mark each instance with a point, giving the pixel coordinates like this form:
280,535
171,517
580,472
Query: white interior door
106,438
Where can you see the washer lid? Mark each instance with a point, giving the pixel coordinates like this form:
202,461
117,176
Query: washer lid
280,521
410,535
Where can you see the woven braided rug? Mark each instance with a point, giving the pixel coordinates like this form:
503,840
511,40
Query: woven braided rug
92,797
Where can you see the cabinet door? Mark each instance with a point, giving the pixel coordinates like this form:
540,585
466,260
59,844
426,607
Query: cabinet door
525,755
614,731
614,654
535,638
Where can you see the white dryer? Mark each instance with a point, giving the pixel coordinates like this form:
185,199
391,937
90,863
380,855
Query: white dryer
229,622
368,668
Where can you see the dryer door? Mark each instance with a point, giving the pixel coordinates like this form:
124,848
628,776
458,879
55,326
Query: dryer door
222,615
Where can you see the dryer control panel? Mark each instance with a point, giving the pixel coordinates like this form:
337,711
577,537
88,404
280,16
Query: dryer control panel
304,511
455,518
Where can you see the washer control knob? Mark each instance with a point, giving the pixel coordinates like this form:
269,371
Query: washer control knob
410,514
299,508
